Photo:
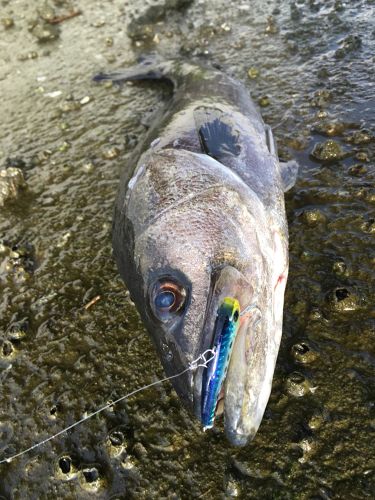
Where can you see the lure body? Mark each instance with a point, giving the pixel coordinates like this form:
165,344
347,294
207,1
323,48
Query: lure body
226,327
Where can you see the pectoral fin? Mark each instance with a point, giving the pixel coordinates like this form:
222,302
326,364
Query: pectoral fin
217,134
289,172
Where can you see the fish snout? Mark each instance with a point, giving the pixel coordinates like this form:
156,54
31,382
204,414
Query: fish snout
229,291
249,380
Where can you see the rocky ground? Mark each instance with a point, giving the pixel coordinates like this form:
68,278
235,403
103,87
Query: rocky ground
70,339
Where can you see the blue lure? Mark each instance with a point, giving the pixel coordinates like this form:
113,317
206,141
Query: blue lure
226,327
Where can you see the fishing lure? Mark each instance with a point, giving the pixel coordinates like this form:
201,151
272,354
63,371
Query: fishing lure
226,327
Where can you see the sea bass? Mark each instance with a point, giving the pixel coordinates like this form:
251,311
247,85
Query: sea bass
200,219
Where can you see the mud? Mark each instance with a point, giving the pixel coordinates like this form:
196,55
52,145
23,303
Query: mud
310,66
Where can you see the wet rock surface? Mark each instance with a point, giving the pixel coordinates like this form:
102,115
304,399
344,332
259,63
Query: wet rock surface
64,352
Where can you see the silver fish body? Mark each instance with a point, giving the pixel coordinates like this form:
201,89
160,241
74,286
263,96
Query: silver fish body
199,217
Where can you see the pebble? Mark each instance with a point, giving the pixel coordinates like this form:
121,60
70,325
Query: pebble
7,22
111,58
64,146
128,463
298,143
11,182
111,153
360,137
307,446
316,421
69,105
85,100
362,156
323,73
88,167
297,385
339,7
45,32
46,12
18,330
232,490
368,226
56,93
139,32
264,101
302,353
328,151
330,129
357,170
99,24
272,27
349,44
339,267
313,216
64,126
253,73
7,349
250,470
139,450
321,98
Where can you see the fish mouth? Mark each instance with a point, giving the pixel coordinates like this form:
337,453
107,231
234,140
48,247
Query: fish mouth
228,282
242,407
215,371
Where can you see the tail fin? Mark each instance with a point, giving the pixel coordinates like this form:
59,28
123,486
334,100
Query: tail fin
146,70
151,68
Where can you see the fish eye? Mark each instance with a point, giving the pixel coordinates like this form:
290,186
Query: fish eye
165,300
167,297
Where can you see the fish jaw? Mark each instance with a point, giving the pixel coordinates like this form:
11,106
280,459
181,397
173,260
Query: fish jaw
252,361
228,282
252,364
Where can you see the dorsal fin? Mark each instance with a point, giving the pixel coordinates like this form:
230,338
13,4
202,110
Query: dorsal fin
217,134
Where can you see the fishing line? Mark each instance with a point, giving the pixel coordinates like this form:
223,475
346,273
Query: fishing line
204,358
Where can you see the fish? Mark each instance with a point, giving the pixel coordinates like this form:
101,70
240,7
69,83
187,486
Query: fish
200,217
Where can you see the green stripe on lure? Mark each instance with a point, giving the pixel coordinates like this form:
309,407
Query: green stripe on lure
226,327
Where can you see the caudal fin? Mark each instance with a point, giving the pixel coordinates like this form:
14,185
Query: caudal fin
149,69
152,68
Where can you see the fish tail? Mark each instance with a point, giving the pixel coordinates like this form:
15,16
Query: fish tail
152,68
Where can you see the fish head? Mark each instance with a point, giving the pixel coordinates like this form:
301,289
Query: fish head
192,237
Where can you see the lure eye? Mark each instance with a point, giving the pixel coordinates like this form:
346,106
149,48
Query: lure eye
167,297
236,315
